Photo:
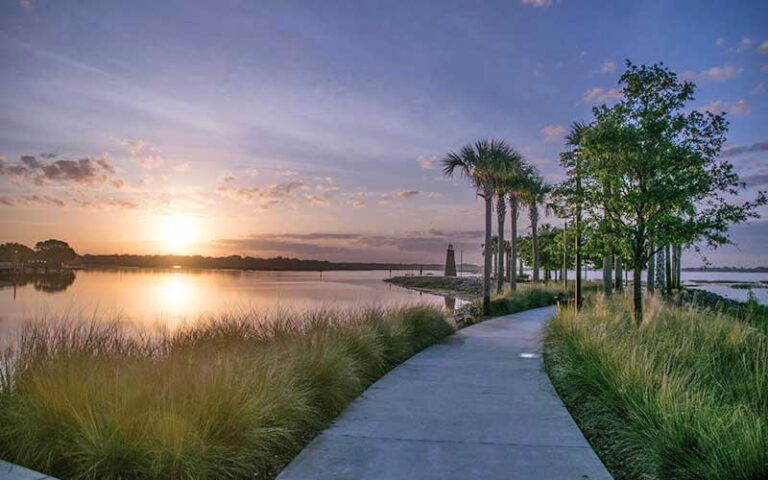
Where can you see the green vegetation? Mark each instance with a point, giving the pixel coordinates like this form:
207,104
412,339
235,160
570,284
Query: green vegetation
233,397
750,311
684,396
48,252
515,301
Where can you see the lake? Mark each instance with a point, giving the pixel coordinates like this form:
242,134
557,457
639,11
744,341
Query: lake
170,297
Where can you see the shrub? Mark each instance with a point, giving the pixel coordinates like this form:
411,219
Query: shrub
231,397
524,299
685,396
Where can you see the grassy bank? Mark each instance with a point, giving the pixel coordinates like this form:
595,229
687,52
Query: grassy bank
526,297
683,397
750,311
468,288
233,397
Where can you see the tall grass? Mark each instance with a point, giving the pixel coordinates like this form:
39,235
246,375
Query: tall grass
525,298
232,397
685,396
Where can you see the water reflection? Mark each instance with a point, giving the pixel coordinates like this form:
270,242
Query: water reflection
50,282
169,297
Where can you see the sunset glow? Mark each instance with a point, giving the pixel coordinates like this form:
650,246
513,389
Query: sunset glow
317,131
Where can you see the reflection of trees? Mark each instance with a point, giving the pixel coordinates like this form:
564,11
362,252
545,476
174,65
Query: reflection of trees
50,282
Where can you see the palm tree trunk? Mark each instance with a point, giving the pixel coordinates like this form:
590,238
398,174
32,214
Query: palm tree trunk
618,284
534,212
513,214
487,266
501,215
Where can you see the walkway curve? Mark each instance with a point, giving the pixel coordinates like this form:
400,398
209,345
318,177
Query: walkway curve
478,405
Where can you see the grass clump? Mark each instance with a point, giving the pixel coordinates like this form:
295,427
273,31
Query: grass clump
526,298
231,397
685,396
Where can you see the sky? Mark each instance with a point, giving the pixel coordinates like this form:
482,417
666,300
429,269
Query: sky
315,129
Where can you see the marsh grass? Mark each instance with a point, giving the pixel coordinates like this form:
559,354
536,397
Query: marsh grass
232,397
526,297
685,396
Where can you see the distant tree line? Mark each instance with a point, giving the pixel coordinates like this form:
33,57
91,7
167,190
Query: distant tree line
47,253
243,263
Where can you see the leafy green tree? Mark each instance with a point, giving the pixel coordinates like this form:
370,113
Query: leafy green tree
55,252
16,253
483,164
652,166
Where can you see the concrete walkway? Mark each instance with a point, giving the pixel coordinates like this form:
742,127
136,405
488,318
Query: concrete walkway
479,405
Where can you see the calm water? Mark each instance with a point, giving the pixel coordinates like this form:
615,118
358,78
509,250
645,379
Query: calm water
143,297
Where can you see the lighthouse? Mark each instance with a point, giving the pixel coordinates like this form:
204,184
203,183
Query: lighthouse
450,262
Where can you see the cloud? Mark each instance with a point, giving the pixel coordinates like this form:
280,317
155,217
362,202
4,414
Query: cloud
287,173
763,48
608,66
42,200
251,172
427,162
91,170
755,147
537,3
759,89
718,74
764,68
718,106
720,42
745,44
552,133
26,4
357,204
143,152
599,94
266,197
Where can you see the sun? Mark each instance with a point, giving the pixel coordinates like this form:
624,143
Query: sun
177,233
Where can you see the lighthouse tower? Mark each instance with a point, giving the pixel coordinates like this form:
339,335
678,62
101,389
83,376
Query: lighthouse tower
450,262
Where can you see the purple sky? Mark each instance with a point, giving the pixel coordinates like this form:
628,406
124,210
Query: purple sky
315,129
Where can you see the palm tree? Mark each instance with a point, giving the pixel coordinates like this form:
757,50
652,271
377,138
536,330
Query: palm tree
514,184
482,163
534,194
506,184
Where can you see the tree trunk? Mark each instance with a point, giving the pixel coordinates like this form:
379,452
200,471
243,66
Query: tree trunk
577,231
513,214
637,287
535,240
651,280
660,270
679,268
668,268
487,266
501,215
607,275
564,271
618,283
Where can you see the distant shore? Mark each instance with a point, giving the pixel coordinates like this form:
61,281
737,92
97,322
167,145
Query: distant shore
236,262
466,288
